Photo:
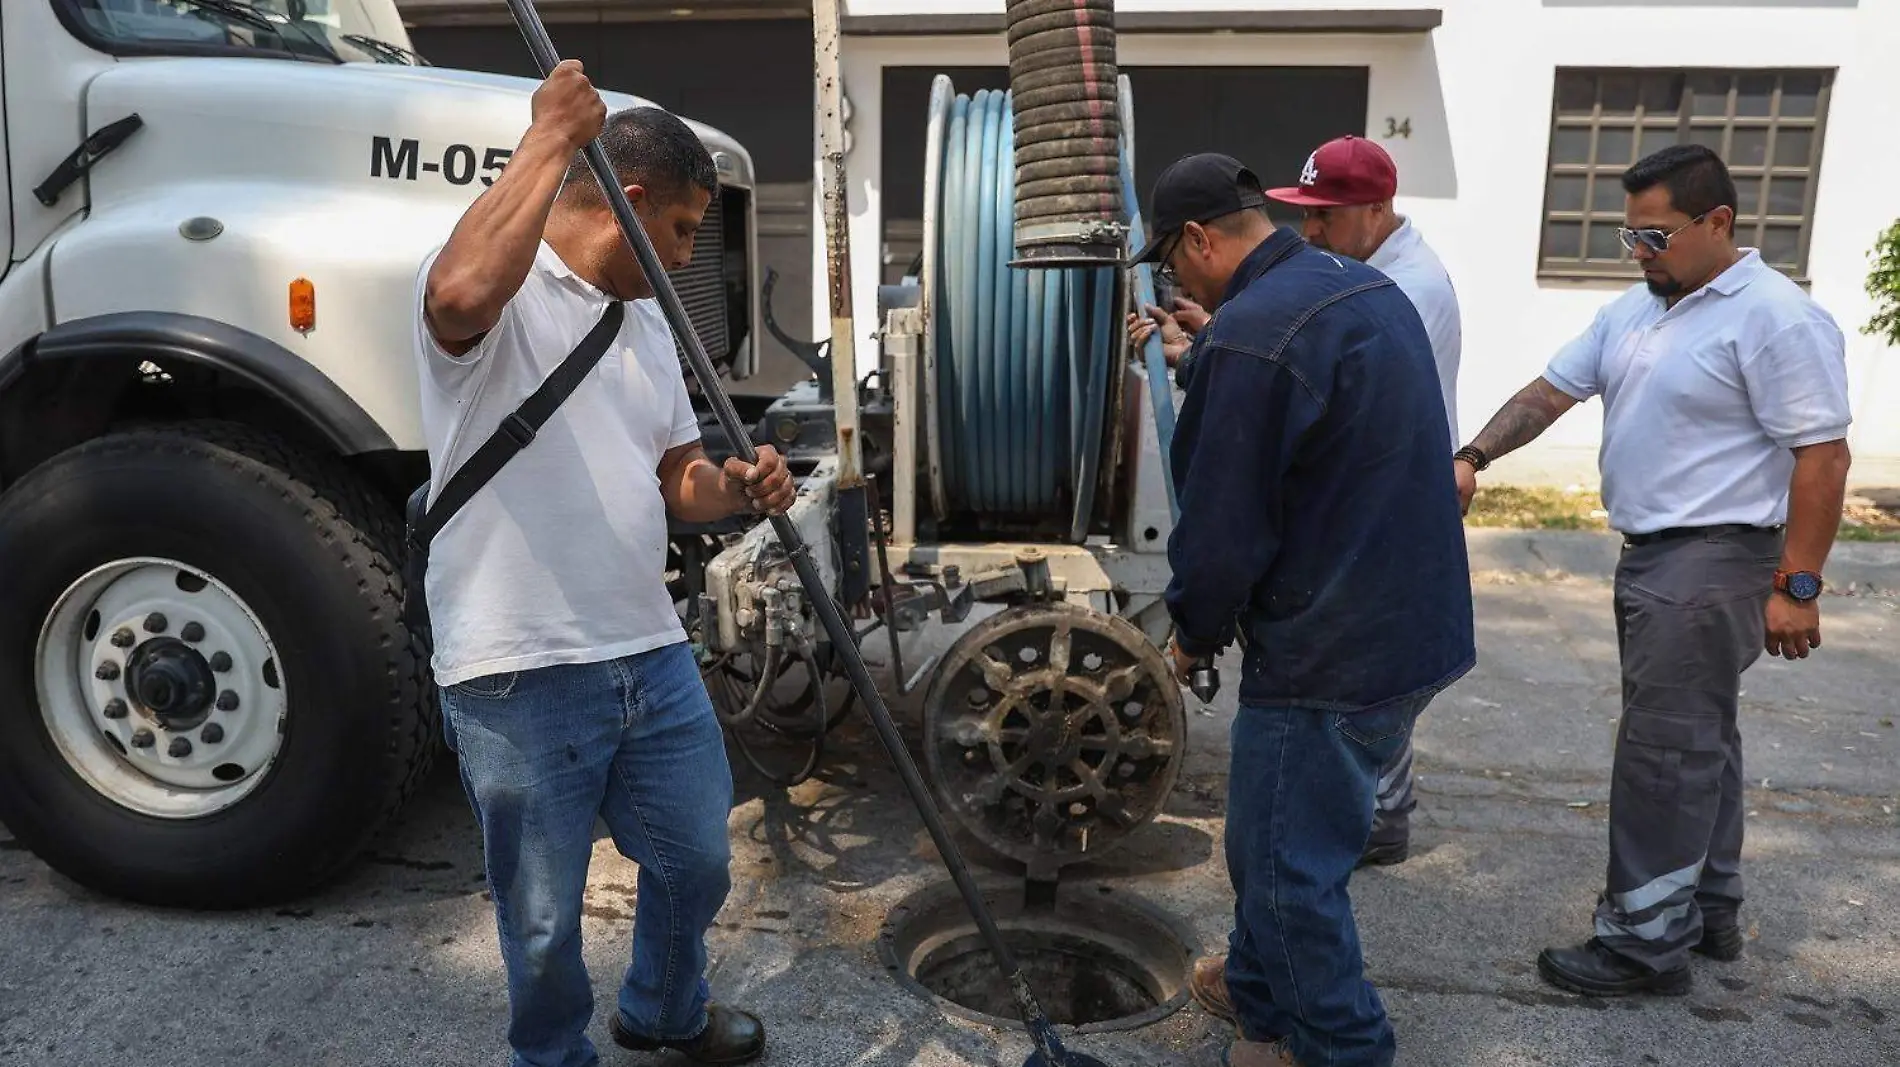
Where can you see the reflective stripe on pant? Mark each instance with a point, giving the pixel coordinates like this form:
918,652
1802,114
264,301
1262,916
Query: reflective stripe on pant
1689,620
1396,800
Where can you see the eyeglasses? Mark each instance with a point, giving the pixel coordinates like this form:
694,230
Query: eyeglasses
1165,270
1653,239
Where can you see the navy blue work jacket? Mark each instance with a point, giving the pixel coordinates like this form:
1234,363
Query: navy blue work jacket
1318,508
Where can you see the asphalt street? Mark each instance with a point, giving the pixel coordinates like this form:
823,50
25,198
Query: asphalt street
398,963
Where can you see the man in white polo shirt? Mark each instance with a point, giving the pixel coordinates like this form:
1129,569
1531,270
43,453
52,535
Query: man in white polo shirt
1724,465
568,691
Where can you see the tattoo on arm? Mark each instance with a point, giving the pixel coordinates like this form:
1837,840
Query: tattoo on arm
1522,418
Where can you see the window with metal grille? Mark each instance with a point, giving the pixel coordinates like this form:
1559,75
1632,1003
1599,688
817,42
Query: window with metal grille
1765,124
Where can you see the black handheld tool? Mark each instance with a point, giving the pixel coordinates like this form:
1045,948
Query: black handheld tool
1204,680
1049,1048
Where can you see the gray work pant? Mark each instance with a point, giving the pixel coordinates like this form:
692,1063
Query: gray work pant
1689,621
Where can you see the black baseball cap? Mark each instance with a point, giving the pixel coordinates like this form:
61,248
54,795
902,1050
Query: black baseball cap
1198,188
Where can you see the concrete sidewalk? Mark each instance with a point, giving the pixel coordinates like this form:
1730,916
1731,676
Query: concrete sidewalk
399,965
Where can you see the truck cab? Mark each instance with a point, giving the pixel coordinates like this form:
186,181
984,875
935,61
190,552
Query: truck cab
209,421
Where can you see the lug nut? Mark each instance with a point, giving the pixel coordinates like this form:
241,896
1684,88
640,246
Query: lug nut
227,701
181,747
220,661
116,709
142,739
155,622
107,672
211,734
123,638
192,632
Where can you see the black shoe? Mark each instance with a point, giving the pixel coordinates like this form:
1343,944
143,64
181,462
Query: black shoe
731,1036
1385,853
1721,940
1593,970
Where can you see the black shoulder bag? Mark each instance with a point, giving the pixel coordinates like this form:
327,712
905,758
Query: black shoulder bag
510,437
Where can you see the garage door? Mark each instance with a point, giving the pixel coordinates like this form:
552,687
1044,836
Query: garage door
1270,118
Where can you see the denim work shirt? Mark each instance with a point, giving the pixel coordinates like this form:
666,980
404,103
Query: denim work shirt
1318,508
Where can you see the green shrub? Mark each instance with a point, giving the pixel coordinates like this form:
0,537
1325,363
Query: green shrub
1883,284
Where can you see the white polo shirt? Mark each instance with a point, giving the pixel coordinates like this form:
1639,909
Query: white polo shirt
561,558
1405,258
1702,402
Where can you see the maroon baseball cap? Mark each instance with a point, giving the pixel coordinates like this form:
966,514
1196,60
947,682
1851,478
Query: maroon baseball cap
1344,171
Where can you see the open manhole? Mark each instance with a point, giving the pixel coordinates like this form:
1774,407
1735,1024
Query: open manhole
1097,959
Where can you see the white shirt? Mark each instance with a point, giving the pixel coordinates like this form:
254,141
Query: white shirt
561,557
1702,402
1405,258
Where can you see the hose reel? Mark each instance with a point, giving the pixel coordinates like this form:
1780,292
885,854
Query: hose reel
1019,360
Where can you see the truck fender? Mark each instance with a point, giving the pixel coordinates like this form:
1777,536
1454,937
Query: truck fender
258,362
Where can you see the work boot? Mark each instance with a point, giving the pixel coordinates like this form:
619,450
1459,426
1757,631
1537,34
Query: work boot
1258,1054
1722,938
1389,843
1208,985
731,1036
1593,970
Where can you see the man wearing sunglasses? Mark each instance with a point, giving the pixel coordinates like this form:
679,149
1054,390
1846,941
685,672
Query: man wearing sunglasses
1319,522
1724,464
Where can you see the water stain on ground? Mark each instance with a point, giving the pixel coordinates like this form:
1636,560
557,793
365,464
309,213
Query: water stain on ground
1812,1002
1721,1015
1874,1015
1809,1020
1733,985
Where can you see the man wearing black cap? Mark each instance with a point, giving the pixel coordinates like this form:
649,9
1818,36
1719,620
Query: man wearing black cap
1317,519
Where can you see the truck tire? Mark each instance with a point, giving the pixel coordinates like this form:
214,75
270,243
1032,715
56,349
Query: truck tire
208,697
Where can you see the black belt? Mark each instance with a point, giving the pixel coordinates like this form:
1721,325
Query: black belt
1675,532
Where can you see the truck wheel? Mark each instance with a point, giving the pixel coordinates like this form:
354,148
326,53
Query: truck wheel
208,697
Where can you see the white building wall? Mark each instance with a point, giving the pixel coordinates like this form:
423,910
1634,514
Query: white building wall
1477,93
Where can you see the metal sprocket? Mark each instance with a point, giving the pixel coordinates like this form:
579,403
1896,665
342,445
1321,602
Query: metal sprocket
1053,732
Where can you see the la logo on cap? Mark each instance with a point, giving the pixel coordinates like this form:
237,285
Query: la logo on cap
1310,173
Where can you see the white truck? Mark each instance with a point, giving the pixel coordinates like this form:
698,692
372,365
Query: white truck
208,422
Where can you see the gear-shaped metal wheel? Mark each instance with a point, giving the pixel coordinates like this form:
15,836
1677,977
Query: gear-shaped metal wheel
1053,732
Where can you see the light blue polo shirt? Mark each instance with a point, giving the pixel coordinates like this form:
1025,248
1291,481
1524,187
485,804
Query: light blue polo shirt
1702,402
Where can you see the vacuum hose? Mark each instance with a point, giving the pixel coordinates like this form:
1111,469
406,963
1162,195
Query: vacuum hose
1067,150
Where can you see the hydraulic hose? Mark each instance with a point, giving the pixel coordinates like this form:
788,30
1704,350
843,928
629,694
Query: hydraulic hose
1062,73
1160,391
1023,356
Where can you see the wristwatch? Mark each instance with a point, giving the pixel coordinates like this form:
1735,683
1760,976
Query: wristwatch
1803,586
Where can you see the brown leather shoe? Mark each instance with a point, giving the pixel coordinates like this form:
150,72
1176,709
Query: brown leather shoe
731,1036
1259,1054
1208,985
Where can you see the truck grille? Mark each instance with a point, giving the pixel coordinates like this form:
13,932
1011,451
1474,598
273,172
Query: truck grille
701,285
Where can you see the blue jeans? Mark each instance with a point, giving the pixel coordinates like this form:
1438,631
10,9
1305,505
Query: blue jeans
1299,809
543,752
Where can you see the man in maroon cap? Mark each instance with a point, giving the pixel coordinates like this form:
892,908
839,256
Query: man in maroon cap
1347,188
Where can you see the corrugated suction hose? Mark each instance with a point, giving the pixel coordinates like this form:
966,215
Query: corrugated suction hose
1062,73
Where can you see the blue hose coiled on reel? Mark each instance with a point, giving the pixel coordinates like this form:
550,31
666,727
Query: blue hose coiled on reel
1024,356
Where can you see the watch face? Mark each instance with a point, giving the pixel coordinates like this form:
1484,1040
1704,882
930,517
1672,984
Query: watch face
1804,586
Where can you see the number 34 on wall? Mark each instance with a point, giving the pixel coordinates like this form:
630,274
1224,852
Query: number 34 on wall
1398,127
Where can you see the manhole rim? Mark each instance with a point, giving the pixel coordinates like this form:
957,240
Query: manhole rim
936,894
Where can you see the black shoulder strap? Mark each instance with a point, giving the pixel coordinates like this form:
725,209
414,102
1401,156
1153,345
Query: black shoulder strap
521,425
